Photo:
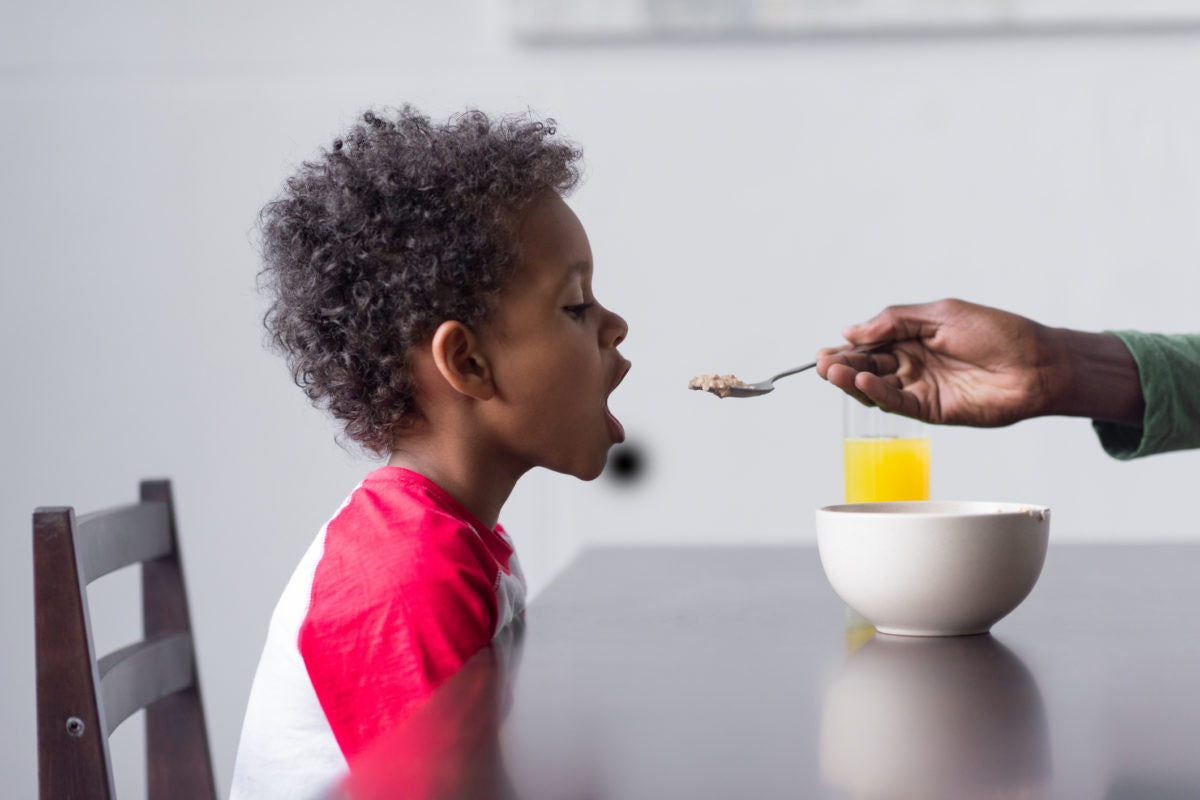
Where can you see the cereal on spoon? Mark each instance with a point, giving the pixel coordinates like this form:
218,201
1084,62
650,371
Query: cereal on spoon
720,385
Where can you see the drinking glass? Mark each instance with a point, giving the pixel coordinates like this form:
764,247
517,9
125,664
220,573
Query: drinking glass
886,456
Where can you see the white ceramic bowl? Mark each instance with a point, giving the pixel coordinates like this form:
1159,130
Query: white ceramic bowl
933,568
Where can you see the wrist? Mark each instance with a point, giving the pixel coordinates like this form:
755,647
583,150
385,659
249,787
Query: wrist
1092,375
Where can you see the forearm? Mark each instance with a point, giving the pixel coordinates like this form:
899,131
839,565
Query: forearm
1092,375
1169,368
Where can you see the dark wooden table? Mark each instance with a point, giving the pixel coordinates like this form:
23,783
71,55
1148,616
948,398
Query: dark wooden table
737,673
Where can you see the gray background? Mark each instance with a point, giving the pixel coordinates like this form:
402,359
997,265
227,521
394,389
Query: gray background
745,201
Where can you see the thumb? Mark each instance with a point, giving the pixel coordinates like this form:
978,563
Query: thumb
880,328
895,323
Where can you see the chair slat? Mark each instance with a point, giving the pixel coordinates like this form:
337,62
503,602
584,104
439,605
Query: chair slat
136,676
115,538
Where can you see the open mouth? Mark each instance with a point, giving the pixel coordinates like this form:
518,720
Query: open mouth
616,430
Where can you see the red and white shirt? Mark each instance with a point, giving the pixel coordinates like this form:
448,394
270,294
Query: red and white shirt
398,590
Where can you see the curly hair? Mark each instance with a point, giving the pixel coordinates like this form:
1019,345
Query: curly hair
400,225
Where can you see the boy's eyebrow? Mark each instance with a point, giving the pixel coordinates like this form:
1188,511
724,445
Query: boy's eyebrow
579,267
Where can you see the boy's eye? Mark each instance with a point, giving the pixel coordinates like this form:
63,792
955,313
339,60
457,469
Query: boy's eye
578,310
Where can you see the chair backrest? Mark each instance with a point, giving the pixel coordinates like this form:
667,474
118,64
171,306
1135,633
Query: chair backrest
81,699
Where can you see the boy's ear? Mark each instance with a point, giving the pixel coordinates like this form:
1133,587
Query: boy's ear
461,362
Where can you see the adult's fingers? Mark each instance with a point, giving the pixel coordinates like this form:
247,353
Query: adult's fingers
888,393
844,378
879,363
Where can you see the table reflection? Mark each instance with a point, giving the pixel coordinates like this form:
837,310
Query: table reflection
953,717
734,673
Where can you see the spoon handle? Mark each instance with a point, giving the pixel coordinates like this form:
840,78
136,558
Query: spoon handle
792,371
862,348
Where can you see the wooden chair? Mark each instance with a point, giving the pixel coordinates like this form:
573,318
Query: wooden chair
82,699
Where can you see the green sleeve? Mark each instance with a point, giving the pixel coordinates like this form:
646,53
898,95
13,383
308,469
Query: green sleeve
1169,369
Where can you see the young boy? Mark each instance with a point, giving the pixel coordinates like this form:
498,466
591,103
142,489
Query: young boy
432,290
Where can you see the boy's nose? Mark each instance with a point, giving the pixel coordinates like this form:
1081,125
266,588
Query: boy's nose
614,330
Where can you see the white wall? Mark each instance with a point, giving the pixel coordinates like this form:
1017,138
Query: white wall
745,202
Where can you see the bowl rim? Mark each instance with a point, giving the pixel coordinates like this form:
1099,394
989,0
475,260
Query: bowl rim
939,509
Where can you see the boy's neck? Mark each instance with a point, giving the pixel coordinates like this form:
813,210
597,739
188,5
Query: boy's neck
482,491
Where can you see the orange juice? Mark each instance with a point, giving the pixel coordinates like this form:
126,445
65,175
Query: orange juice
880,469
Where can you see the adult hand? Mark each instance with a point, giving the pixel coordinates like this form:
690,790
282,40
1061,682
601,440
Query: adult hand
959,363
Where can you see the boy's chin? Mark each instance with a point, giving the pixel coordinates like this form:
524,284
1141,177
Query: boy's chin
586,472
586,466
590,474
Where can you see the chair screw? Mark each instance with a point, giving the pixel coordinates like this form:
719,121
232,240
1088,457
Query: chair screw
75,726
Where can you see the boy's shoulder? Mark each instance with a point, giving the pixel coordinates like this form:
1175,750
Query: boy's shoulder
403,552
398,525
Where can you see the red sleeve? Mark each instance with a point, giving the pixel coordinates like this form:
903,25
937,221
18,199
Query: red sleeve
396,608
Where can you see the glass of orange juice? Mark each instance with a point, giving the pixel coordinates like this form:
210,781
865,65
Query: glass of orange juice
886,456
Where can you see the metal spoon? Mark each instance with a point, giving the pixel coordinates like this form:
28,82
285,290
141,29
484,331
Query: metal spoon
730,386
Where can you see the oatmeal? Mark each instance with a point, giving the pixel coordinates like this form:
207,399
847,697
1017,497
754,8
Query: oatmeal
717,384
